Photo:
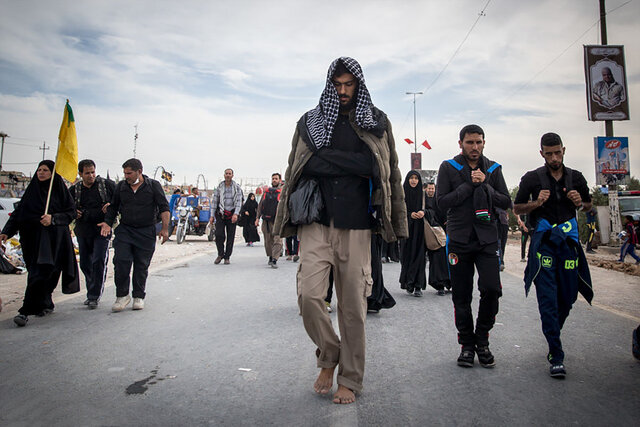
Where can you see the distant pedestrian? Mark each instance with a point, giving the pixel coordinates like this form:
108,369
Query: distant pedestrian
267,211
591,215
525,233
249,214
45,240
346,145
225,208
629,240
413,278
92,196
292,245
139,200
469,186
438,269
557,265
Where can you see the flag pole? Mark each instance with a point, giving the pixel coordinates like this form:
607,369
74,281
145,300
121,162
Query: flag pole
53,174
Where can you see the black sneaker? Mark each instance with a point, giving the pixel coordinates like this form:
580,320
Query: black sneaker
557,371
485,357
20,320
274,263
270,261
441,292
466,357
417,293
93,304
86,302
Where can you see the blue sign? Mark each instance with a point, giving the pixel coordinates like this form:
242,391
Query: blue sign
612,160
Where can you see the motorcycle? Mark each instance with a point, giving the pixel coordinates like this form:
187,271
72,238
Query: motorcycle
185,221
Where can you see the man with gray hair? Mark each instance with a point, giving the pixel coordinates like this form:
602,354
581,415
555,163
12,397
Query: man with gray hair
225,208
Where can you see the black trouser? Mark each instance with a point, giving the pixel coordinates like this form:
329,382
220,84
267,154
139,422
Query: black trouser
462,259
503,235
41,281
592,232
224,227
94,254
132,246
292,245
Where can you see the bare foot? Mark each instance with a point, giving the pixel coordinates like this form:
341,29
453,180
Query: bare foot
325,381
344,395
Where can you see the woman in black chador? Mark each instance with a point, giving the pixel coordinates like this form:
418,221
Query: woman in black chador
412,257
249,229
45,240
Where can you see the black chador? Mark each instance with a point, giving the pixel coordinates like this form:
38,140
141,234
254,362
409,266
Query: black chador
47,250
413,275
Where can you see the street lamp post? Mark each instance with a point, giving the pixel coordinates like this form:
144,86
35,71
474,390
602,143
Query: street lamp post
415,138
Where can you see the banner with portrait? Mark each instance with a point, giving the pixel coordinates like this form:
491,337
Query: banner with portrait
612,160
607,94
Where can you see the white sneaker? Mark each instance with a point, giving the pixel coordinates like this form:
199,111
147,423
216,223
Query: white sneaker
138,304
121,303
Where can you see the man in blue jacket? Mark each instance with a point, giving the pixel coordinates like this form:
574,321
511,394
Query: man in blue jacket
557,265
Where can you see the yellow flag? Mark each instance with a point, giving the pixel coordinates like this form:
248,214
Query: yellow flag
67,157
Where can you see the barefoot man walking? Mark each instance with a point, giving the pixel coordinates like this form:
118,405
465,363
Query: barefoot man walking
346,145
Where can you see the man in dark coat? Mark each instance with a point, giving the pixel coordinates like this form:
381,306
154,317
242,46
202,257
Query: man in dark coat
469,186
139,199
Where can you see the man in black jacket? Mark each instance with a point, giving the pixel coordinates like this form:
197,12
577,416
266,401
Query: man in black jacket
139,199
469,186
557,265
92,196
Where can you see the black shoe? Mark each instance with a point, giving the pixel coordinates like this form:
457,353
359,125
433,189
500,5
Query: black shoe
501,267
409,291
218,259
417,293
45,312
591,251
557,371
86,302
466,357
93,304
485,357
441,292
274,263
20,320
296,258
226,261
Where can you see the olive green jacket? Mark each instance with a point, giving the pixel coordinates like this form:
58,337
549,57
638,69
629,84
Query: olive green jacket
388,194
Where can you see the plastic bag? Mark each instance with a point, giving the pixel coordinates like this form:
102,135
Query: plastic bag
305,203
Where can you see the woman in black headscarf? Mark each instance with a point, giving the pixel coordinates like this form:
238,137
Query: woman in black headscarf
412,275
45,240
249,211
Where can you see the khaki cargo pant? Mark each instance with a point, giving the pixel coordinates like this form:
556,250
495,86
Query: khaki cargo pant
272,242
349,252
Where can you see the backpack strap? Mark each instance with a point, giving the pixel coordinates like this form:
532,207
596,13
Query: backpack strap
545,183
102,190
455,164
493,167
78,190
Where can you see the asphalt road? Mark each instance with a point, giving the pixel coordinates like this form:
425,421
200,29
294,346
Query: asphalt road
224,345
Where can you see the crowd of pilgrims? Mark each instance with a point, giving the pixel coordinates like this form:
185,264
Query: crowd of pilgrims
49,255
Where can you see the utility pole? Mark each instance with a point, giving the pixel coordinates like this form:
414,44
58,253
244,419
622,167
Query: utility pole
135,141
43,148
614,209
3,136
415,138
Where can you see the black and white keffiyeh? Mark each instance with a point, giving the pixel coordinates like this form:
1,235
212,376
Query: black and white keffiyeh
321,120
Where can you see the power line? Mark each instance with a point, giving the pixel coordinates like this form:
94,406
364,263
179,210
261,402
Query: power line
480,15
546,67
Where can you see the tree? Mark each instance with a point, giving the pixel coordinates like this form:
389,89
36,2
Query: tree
634,184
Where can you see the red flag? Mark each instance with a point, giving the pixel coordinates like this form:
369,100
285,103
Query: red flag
426,144
408,141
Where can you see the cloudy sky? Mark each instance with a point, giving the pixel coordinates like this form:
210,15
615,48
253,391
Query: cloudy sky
215,84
